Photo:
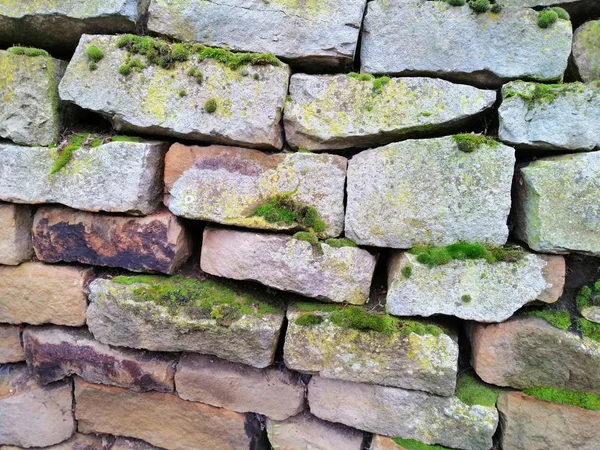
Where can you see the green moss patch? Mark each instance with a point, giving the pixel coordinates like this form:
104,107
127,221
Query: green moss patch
550,16
284,210
588,328
406,271
565,397
543,93
471,391
378,82
341,242
558,319
468,143
27,51
210,106
437,256
588,296
68,147
306,320
413,444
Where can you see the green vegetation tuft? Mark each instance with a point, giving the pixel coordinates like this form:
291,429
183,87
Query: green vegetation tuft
27,51
544,93
341,242
284,210
471,391
210,106
562,14
361,76
125,70
65,153
466,298
306,237
306,320
588,328
182,92
588,296
407,271
413,444
195,72
437,256
496,8
315,306
468,143
378,83
558,319
94,56
125,139
547,17
565,397
456,2
480,6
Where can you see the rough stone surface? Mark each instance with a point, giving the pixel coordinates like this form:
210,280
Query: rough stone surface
336,112
274,392
11,349
390,192
33,415
30,111
408,414
495,290
116,317
249,101
453,42
333,274
87,182
586,51
54,353
420,362
78,442
311,35
15,234
529,423
37,293
556,206
591,313
568,120
384,443
154,243
528,352
161,419
132,444
227,184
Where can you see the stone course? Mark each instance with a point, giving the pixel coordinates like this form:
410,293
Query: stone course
15,234
11,349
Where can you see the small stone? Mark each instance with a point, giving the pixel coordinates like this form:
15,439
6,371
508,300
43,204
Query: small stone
15,234
586,51
591,313
11,349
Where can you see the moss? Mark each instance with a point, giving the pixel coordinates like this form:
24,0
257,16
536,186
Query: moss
195,72
124,69
565,397
119,138
312,307
466,298
361,76
96,142
471,391
306,237
341,242
27,51
480,6
588,296
94,56
65,152
413,444
558,319
210,106
547,17
306,320
406,271
588,328
182,92
468,143
543,93
456,2
496,8
378,83
284,210
437,256
562,13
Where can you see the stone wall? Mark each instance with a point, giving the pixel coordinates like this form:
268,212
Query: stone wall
300,224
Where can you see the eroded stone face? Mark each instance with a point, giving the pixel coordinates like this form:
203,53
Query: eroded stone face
11,349
15,233
586,50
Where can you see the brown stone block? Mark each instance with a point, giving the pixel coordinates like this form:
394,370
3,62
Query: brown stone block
15,233
11,349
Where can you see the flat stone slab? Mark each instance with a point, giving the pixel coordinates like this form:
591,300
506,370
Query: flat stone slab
563,117
390,194
87,182
338,111
586,51
154,243
227,185
11,349
15,233
411,361
402,413
37,293
438,40
556,204
319,35
249,100
283,262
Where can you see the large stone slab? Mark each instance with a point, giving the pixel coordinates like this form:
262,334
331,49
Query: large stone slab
408,414
33,415
392,201
154,243
87,182
157,101
11,349
38,293
586,51
15,234
131,313
339,111
556,204
227,185
283,262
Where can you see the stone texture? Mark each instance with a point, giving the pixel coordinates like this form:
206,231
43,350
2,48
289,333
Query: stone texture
33,415
87,182
408,414
78,442
30,111
54,353
11,349
249,101
496,290
37,293
591,313
586,51
556,206
391,191
336,112
420,362
227,184
333,274
132,444
310,35
305,431
529,423
274,392
384,443
117,317
15,234
566,120
528,352
154,243
161,419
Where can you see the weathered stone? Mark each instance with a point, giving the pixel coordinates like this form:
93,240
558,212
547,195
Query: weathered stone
408,414
11,349
249,101
54,353
274,392
30,111
434,39
411,361
529,423
154,243
384,443
161,419
311,35
132,444
556,206
117,316
306,431
429,193
591,313
283,262
37,293
527,352
586,50
78,442
33,415
472,289
563,117
336,112
88,181
15,234
227,185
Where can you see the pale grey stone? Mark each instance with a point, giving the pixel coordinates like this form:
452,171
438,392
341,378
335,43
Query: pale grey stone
586,50
591,313
15,233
